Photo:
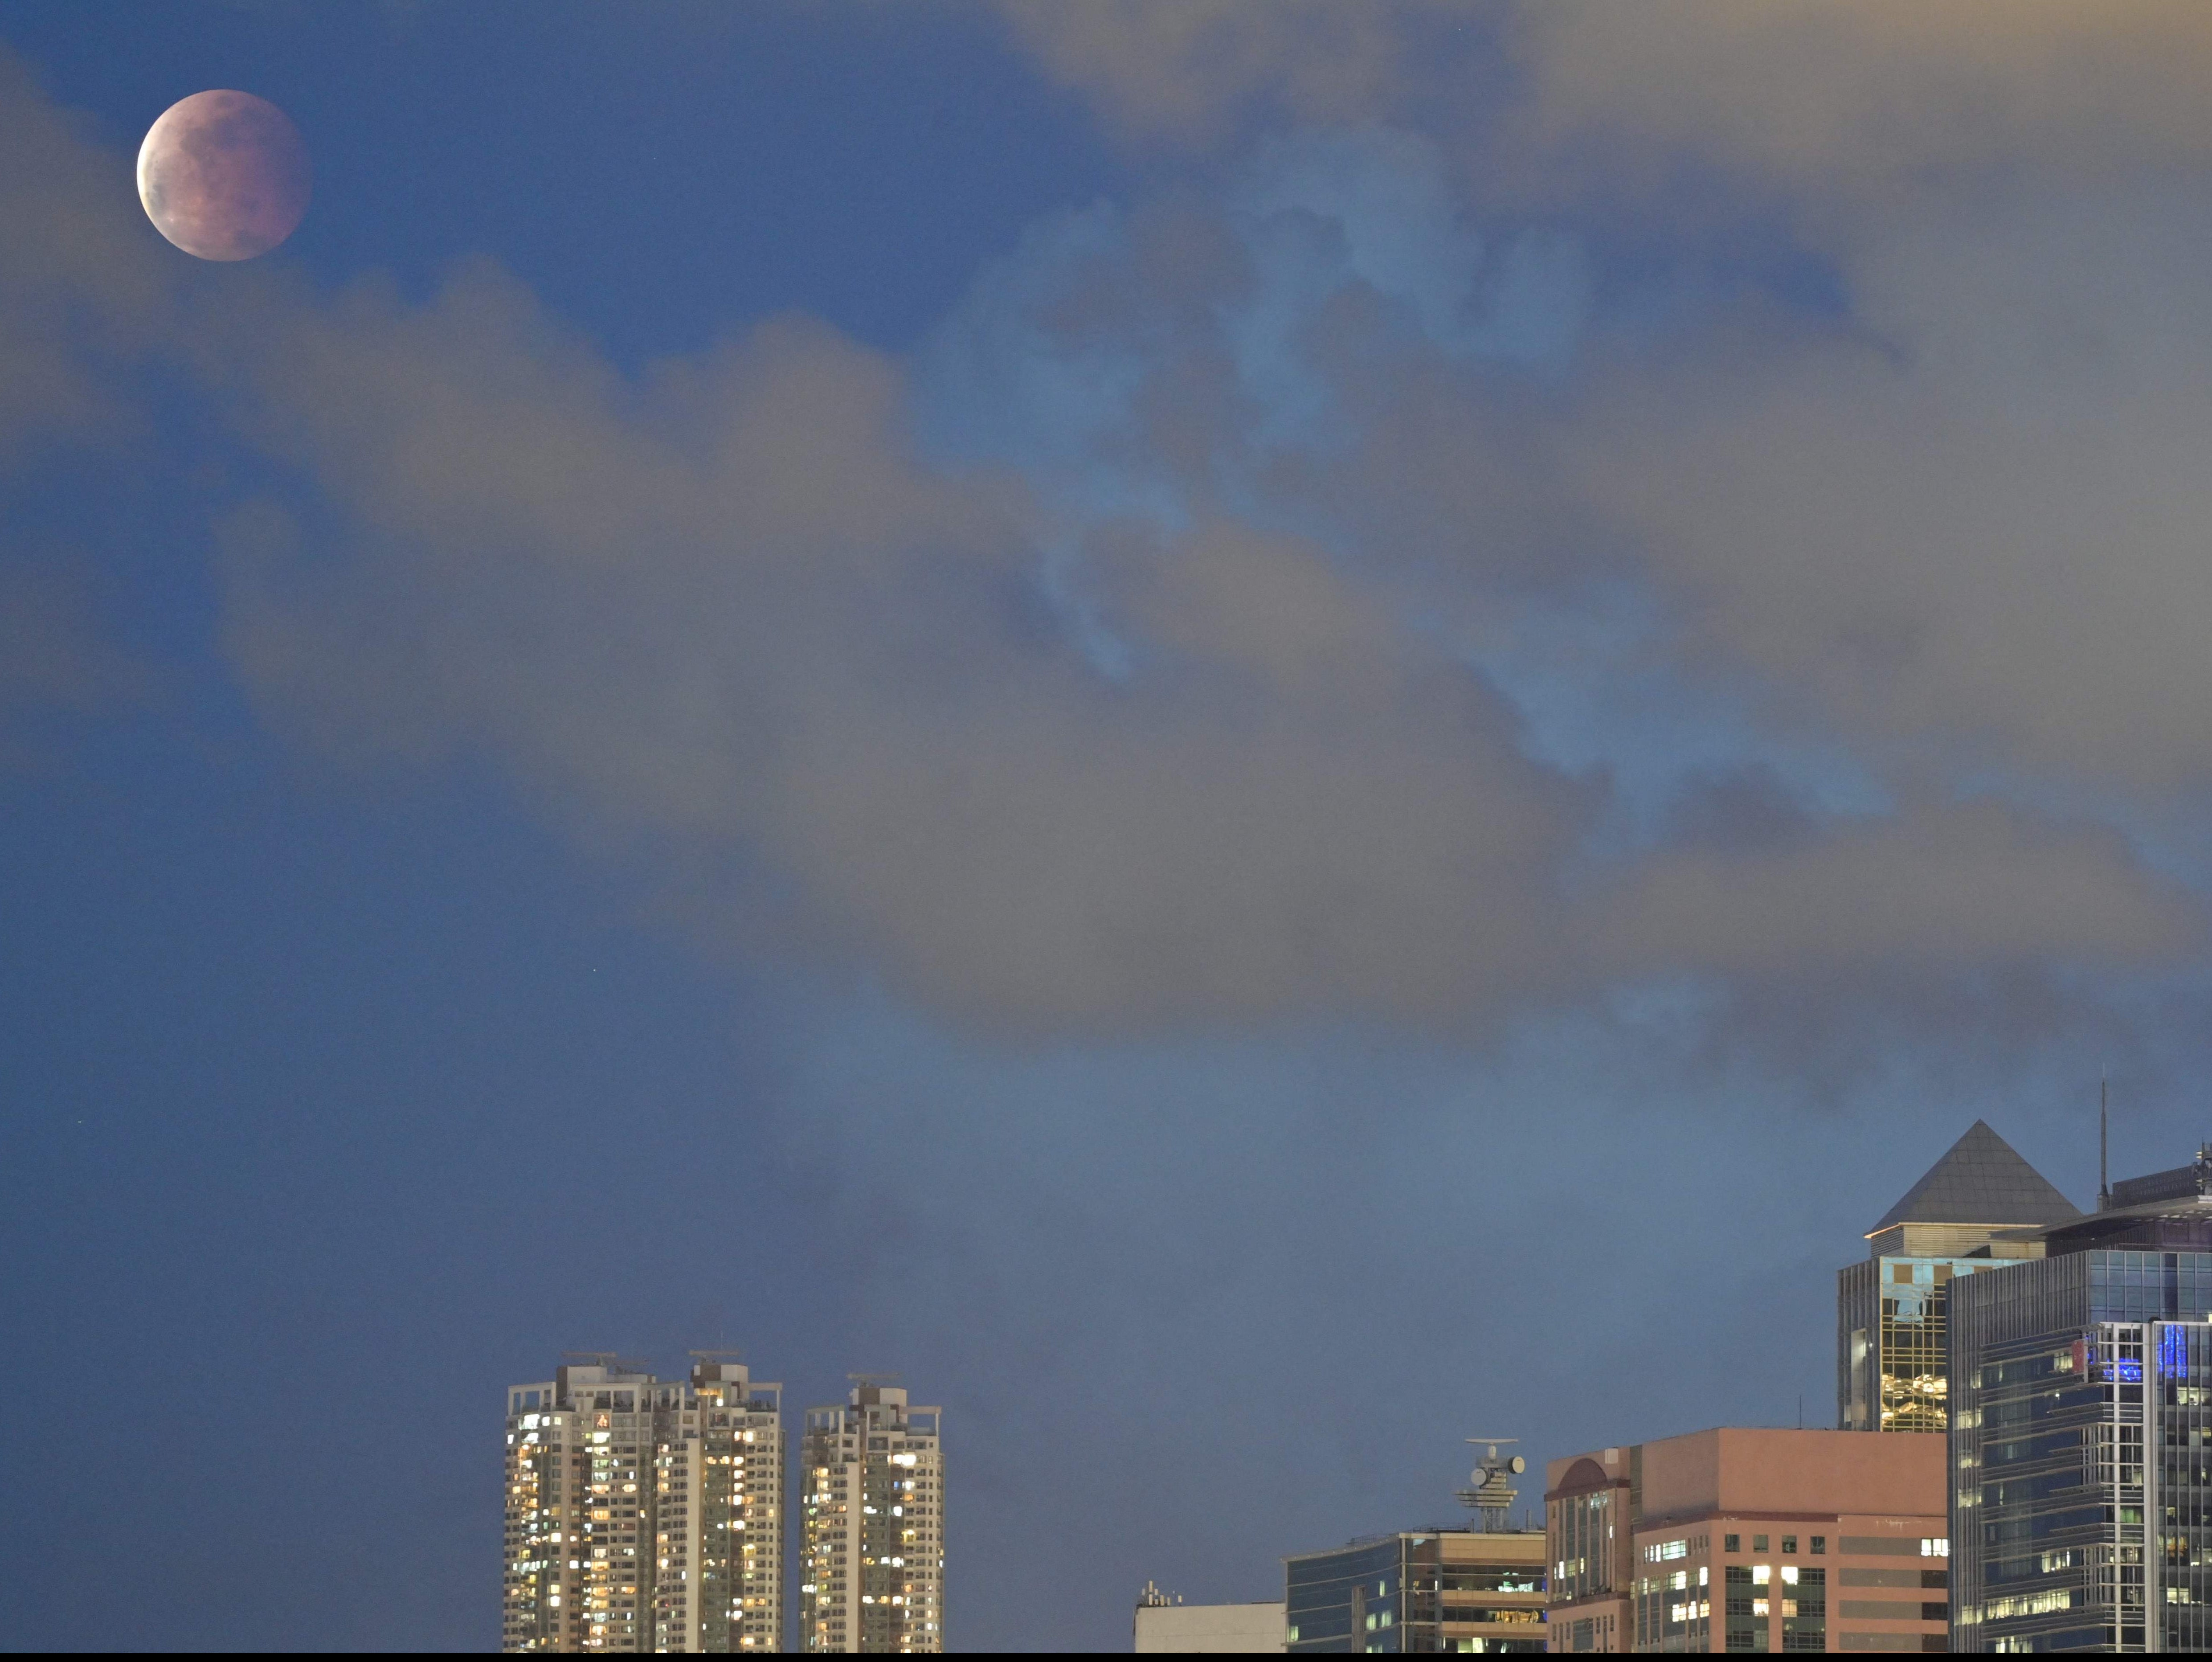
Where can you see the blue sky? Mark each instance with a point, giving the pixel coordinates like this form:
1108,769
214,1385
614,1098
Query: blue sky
1253,734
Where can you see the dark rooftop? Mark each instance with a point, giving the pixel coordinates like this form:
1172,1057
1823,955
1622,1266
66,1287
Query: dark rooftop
1980,1180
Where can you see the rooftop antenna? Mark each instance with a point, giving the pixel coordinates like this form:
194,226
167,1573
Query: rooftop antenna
2104,1142
1493,1493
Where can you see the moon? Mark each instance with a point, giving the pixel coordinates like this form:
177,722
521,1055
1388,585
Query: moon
224,175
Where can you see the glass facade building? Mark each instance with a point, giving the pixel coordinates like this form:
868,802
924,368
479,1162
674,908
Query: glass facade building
1893,1342
1423,1590
1978,1207
2081,1444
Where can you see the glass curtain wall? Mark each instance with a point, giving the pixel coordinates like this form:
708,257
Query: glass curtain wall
2080,1453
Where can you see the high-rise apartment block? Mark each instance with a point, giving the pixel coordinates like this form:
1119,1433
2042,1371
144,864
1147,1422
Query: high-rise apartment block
872,1569
645,1514
1978,1207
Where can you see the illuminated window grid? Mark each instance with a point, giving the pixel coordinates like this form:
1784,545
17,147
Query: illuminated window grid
667,1531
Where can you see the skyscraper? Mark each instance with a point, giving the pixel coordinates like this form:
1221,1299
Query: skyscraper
2082,1440
644,1514
872,1571
1976,1208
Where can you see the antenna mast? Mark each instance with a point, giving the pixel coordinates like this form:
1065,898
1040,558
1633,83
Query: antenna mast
2104,1140
1493,1493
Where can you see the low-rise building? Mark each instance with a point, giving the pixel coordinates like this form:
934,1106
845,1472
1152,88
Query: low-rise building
1167,1626
1740,1539
1419,1591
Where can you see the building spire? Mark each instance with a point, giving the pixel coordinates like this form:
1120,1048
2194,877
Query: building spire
2103,1140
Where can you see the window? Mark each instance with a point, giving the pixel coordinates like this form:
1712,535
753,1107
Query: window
1759,1543
1788,1543
1731,1544
1819,1545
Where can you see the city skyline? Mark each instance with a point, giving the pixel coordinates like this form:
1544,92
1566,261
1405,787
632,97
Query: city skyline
1247,729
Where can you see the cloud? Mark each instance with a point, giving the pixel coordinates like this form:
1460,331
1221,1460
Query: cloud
1860,94
1180,638
1851,94
1946,888
728,610
1184,69
729,607
1973,518
78,280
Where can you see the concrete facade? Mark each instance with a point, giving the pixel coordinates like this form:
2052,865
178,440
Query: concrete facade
1750,1540
872,1569
1209,1629
644,1514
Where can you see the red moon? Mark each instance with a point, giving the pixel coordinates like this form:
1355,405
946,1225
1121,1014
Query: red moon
224,175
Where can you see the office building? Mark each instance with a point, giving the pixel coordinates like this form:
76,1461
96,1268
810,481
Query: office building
1419,1591
2081,1431
1749,1540
872,1496
644,1514
1165,1626
1976,1208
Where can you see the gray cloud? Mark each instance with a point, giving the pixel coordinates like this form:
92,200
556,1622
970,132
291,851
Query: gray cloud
1161,707
1973,518
1182,69
78,282
1860,94
731,608
1834,93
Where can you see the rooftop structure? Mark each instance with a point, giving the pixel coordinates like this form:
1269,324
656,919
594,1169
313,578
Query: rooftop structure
1431,1589
1980,1204
1980,1186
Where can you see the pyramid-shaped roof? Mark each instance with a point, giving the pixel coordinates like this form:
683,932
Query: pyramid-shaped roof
1981,1180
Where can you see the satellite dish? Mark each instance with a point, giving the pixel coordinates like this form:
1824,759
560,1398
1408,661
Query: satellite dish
1492,1493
